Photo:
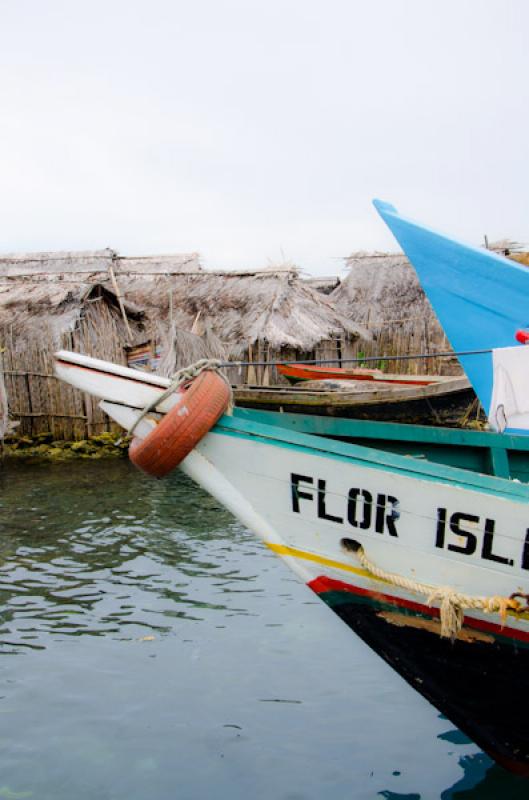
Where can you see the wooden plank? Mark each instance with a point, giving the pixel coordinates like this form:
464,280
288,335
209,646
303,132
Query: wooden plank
46,414
395,431
283,396
499,461
30,373
121,304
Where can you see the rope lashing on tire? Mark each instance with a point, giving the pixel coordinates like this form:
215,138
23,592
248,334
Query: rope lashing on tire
185,375
451,603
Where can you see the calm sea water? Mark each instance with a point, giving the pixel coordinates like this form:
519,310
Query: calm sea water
151,648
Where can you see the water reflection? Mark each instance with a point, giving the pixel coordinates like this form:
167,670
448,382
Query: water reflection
174,650
485,780
86,550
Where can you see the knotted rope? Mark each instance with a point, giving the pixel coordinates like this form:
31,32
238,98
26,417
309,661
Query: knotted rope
185,375
451,603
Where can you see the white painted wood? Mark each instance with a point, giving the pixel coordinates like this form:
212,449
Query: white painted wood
252,477
126,417
98,364
112,382
262,473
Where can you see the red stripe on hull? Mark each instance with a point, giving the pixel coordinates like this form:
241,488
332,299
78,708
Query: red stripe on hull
337,373
323,584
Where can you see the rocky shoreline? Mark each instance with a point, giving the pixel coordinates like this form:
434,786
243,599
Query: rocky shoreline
44,447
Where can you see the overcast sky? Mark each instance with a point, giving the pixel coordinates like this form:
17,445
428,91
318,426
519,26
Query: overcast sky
259,130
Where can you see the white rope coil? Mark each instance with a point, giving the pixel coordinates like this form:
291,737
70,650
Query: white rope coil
451,603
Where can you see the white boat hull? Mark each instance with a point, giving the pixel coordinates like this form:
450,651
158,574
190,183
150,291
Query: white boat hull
309,499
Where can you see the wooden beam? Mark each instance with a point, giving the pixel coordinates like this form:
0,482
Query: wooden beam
120,301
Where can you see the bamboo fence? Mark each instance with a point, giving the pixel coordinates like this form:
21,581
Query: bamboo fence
43,405
405,338
37,399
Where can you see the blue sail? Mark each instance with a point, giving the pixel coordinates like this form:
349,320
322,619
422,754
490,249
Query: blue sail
480,298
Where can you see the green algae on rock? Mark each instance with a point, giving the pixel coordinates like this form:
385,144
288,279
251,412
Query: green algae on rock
44,447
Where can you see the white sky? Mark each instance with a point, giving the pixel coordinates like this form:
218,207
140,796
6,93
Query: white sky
252,130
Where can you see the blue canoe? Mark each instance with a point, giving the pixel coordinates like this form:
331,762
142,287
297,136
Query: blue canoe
480,298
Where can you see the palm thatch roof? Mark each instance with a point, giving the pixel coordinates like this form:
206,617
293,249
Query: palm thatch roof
233,310
93,263
26,306
513,250
383,293
242,308
381,289
55,288
506,246
323,283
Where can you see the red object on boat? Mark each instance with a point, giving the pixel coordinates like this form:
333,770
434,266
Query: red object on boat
205,400
302,372
522,336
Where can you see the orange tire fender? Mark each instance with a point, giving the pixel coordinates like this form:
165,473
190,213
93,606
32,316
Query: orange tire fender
204,401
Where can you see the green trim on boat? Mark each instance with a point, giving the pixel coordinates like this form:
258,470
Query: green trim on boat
501,455
371,458
341,426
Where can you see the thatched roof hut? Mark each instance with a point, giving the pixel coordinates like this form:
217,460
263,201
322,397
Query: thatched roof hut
273,309
153,312
323,283
383,293
39,315
56,292
274,305
264,315
93,264
514,250
381,288
57,306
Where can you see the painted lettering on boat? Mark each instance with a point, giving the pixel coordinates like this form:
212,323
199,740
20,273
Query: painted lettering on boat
364,510
377,512
466,541
525,555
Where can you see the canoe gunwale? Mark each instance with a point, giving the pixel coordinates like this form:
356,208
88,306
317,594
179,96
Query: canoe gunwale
373,458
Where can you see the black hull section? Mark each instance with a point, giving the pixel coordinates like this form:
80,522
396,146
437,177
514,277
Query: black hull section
479,681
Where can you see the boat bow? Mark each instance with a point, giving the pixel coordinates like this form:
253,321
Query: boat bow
479,296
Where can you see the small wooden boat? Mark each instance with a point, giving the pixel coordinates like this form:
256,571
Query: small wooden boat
295,373
443,402
418,541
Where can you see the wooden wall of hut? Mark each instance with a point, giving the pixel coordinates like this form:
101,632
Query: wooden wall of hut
382,293
405,338
261,360
392,339
40,402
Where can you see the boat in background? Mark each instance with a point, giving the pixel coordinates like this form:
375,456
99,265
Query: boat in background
425,558
446,401
481,300
297,372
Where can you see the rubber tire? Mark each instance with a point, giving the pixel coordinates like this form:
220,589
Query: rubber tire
206,399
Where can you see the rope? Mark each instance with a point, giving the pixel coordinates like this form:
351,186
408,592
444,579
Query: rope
451,602
359,360
185,375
